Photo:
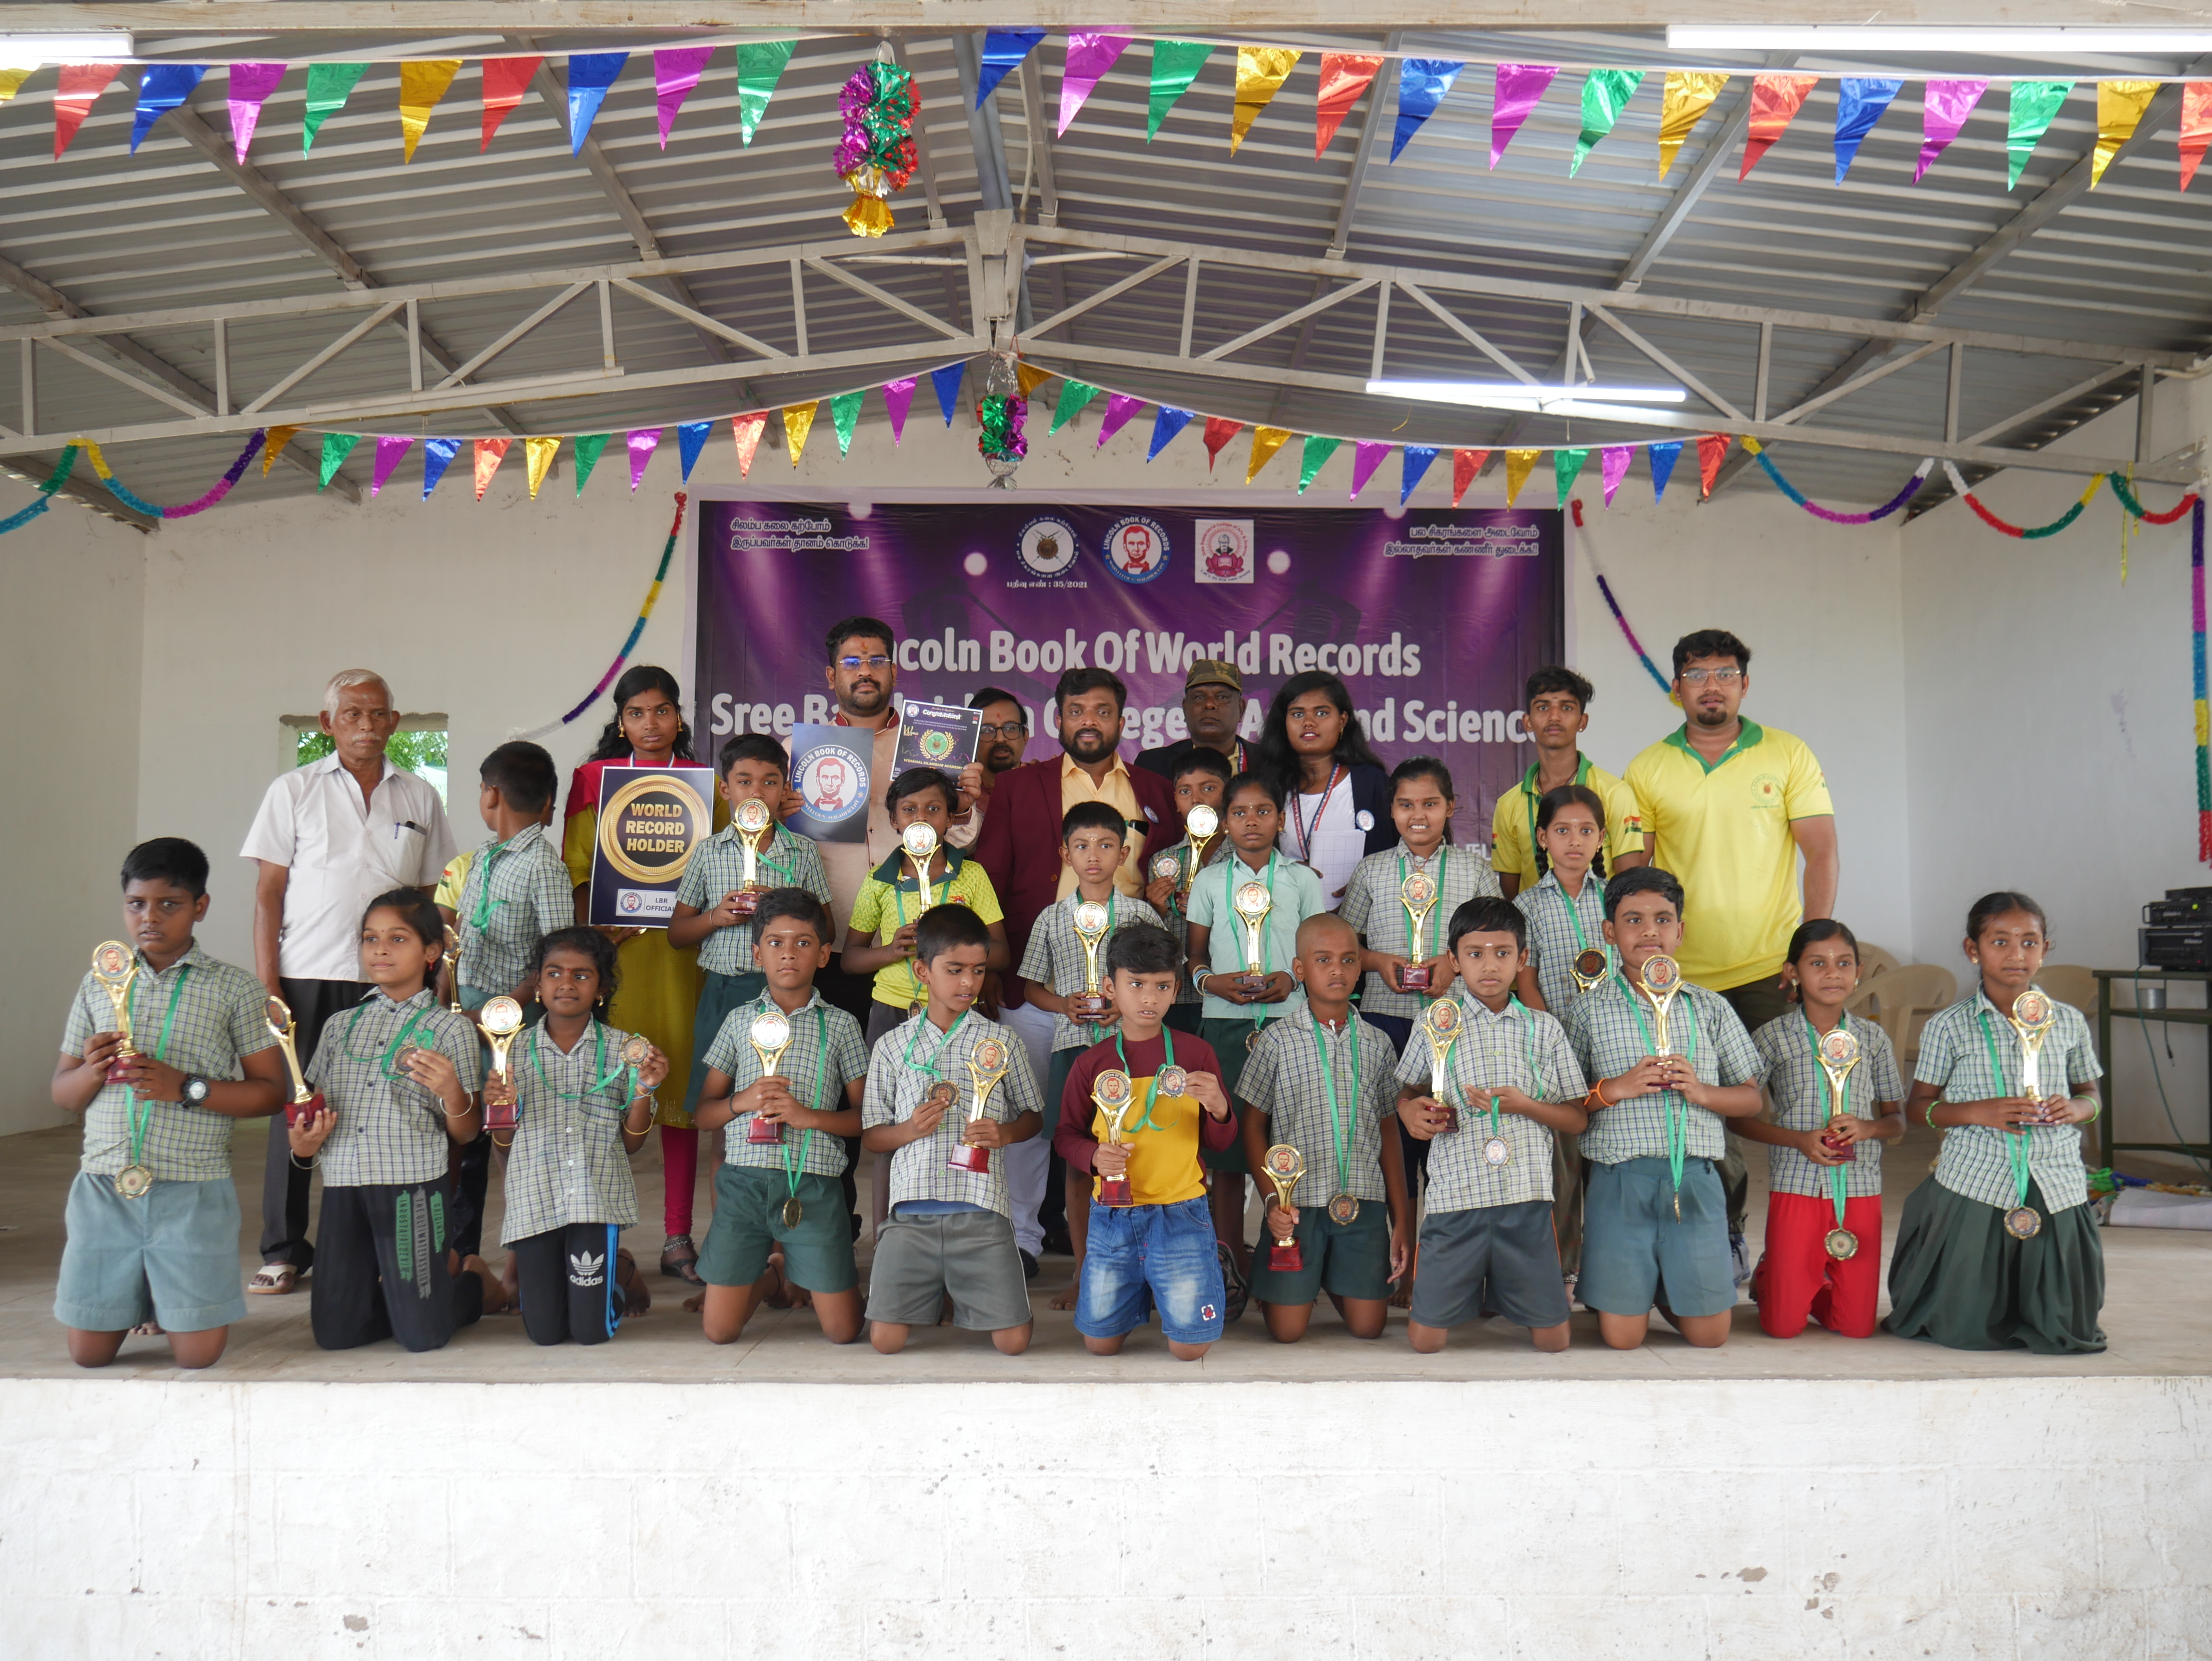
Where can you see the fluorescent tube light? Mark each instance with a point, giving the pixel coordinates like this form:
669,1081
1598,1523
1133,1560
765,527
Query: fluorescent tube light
1513,395
1994,41
28,51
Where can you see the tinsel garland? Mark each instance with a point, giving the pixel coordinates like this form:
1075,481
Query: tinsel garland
47,486
2129,500
876,156
1834,517
637,628
1001,419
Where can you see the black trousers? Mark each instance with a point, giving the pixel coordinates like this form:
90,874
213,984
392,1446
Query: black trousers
471,1184
566,1277
382,1271
284,1186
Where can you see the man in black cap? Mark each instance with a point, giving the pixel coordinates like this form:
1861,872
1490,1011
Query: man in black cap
1213,704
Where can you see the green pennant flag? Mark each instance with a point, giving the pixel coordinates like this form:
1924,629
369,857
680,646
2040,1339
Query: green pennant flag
1316,453
588,449
845,416
760,66
2034,106
1605,93
337,447
1073,395
329,86
1566,467
1175,64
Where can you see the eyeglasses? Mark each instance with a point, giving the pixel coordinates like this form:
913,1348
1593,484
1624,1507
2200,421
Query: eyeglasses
878,662
1011,729
1691,677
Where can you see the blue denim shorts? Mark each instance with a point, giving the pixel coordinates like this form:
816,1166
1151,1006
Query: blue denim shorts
1167,1248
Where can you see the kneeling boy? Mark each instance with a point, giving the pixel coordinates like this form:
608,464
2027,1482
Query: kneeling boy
950,1229
1654,1214
785,1194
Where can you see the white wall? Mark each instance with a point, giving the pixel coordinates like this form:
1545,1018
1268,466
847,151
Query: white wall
70,655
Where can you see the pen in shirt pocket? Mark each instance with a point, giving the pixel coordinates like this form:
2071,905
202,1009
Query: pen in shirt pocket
408,825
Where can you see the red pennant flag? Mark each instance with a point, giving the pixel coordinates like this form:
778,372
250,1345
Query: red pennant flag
81,84
505,81
1344,76
1219,429
2195,126
1712,450
747,429
1775,100
490,452
1466,463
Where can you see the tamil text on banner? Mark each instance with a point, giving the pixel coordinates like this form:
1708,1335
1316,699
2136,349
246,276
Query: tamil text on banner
650,819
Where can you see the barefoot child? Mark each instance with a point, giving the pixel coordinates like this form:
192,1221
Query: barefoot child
399,1073
1325,1084
1997,1249
1824,1155
780,1216
153,1214
951,1231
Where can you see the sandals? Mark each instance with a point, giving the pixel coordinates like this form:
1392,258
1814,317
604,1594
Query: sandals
679,1258
273,1279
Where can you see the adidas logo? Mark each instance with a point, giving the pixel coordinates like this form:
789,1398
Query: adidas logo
586,1268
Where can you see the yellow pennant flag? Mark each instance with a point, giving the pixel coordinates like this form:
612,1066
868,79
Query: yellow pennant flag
2120,106
423,83
540,451
1260,72
1518,466
1265,441
1690,93
797,422
1030,377
272,446
11,82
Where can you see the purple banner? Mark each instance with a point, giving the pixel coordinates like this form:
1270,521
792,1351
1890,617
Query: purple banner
1433,616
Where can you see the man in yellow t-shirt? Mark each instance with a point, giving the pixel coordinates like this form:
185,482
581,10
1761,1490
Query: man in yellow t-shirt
1557,715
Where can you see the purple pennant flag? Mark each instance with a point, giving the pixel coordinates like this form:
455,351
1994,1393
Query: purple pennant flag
164,87
590,74
947,380
898,398
438,455
1416,462
1860,100
389,449
1944,107
1613,467
691,439
1120,406
1090,53
1165,425
1366,457
1663,458
675,72
250,86
1519,87
643,442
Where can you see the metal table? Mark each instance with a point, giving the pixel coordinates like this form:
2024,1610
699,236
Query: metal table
2107,1145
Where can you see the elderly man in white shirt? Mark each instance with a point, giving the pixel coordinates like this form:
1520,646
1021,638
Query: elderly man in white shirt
330,837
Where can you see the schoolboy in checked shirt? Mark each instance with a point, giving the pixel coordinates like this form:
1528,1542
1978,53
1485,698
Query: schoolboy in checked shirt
1513,1083
1324,1083
1653,1210
516,890
949,1231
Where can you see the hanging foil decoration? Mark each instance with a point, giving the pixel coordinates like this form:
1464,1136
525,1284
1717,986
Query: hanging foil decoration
876,156
1001,413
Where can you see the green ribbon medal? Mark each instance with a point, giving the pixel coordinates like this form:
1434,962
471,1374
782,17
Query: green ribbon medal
1678,1106
136,1180
1343,1209
1145,1120
2022,1222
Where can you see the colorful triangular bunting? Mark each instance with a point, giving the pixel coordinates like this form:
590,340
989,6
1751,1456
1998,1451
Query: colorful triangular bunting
1466,467
676,71
1412,465
163,87
81,83
505,81
1119,407
1860,100
2195,126
1605,93
1265,441
489,453
1260,72
1519,464
946,382
641,442
1165,425
1090,53
590,75
538,453
272,446
1944,107
1175,64
423,83
898,398
1519,85
337,447
1344,76
1663,458
2120,106
249,89
2034,106
797,422
1313,457
1566,467
589,449
747,429
1003,51
390,446
845,417
1689,93
1712,450
1422,84
1613,466
760,66
1775,101
1219,429
329,86
690,440
1366,456
1074,396
438,455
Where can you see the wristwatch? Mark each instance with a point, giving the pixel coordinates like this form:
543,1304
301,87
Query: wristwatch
195,1091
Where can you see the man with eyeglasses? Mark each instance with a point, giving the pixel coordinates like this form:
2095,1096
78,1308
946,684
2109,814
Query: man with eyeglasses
1729,806
1212,707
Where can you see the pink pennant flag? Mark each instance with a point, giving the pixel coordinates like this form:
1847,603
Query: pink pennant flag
675,72
1366,457
1519,87
1090,53
1944,107
642,443
250,86
1120,406
1613,467
2195,126
898,398
389,449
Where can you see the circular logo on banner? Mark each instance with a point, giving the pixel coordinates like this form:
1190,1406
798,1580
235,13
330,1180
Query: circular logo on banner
631,903
647,828
830,781
1047,546
1227,555
1136,549
936,744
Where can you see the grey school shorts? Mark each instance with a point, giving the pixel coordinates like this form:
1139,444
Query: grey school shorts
171,1256
968,1254
1637,1252
1500,1257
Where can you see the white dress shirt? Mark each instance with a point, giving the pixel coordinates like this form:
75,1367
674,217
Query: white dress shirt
342,853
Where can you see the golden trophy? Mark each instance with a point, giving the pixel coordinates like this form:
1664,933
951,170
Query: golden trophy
1113,1095
1662,983
1091,921
305,1103
1283,1167
1418,894
1202,824
500,1020
1253,903
115,966
756,829
1838,1054
920,842
2032,1016
1440,1027
1590,966
453,967
987,1065
770,1037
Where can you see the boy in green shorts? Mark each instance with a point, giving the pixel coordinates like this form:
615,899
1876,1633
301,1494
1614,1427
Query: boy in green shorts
1324,1083
153,1214
778,1190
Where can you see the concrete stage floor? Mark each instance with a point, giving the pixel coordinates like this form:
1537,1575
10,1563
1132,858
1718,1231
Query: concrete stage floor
2156,1318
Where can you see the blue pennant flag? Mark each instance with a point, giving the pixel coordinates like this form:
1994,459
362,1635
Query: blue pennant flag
1663,458
438,455
1859,105
947,382
1165,425
590,74
691,439
165,86
1418,458
1422,84
1003,51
